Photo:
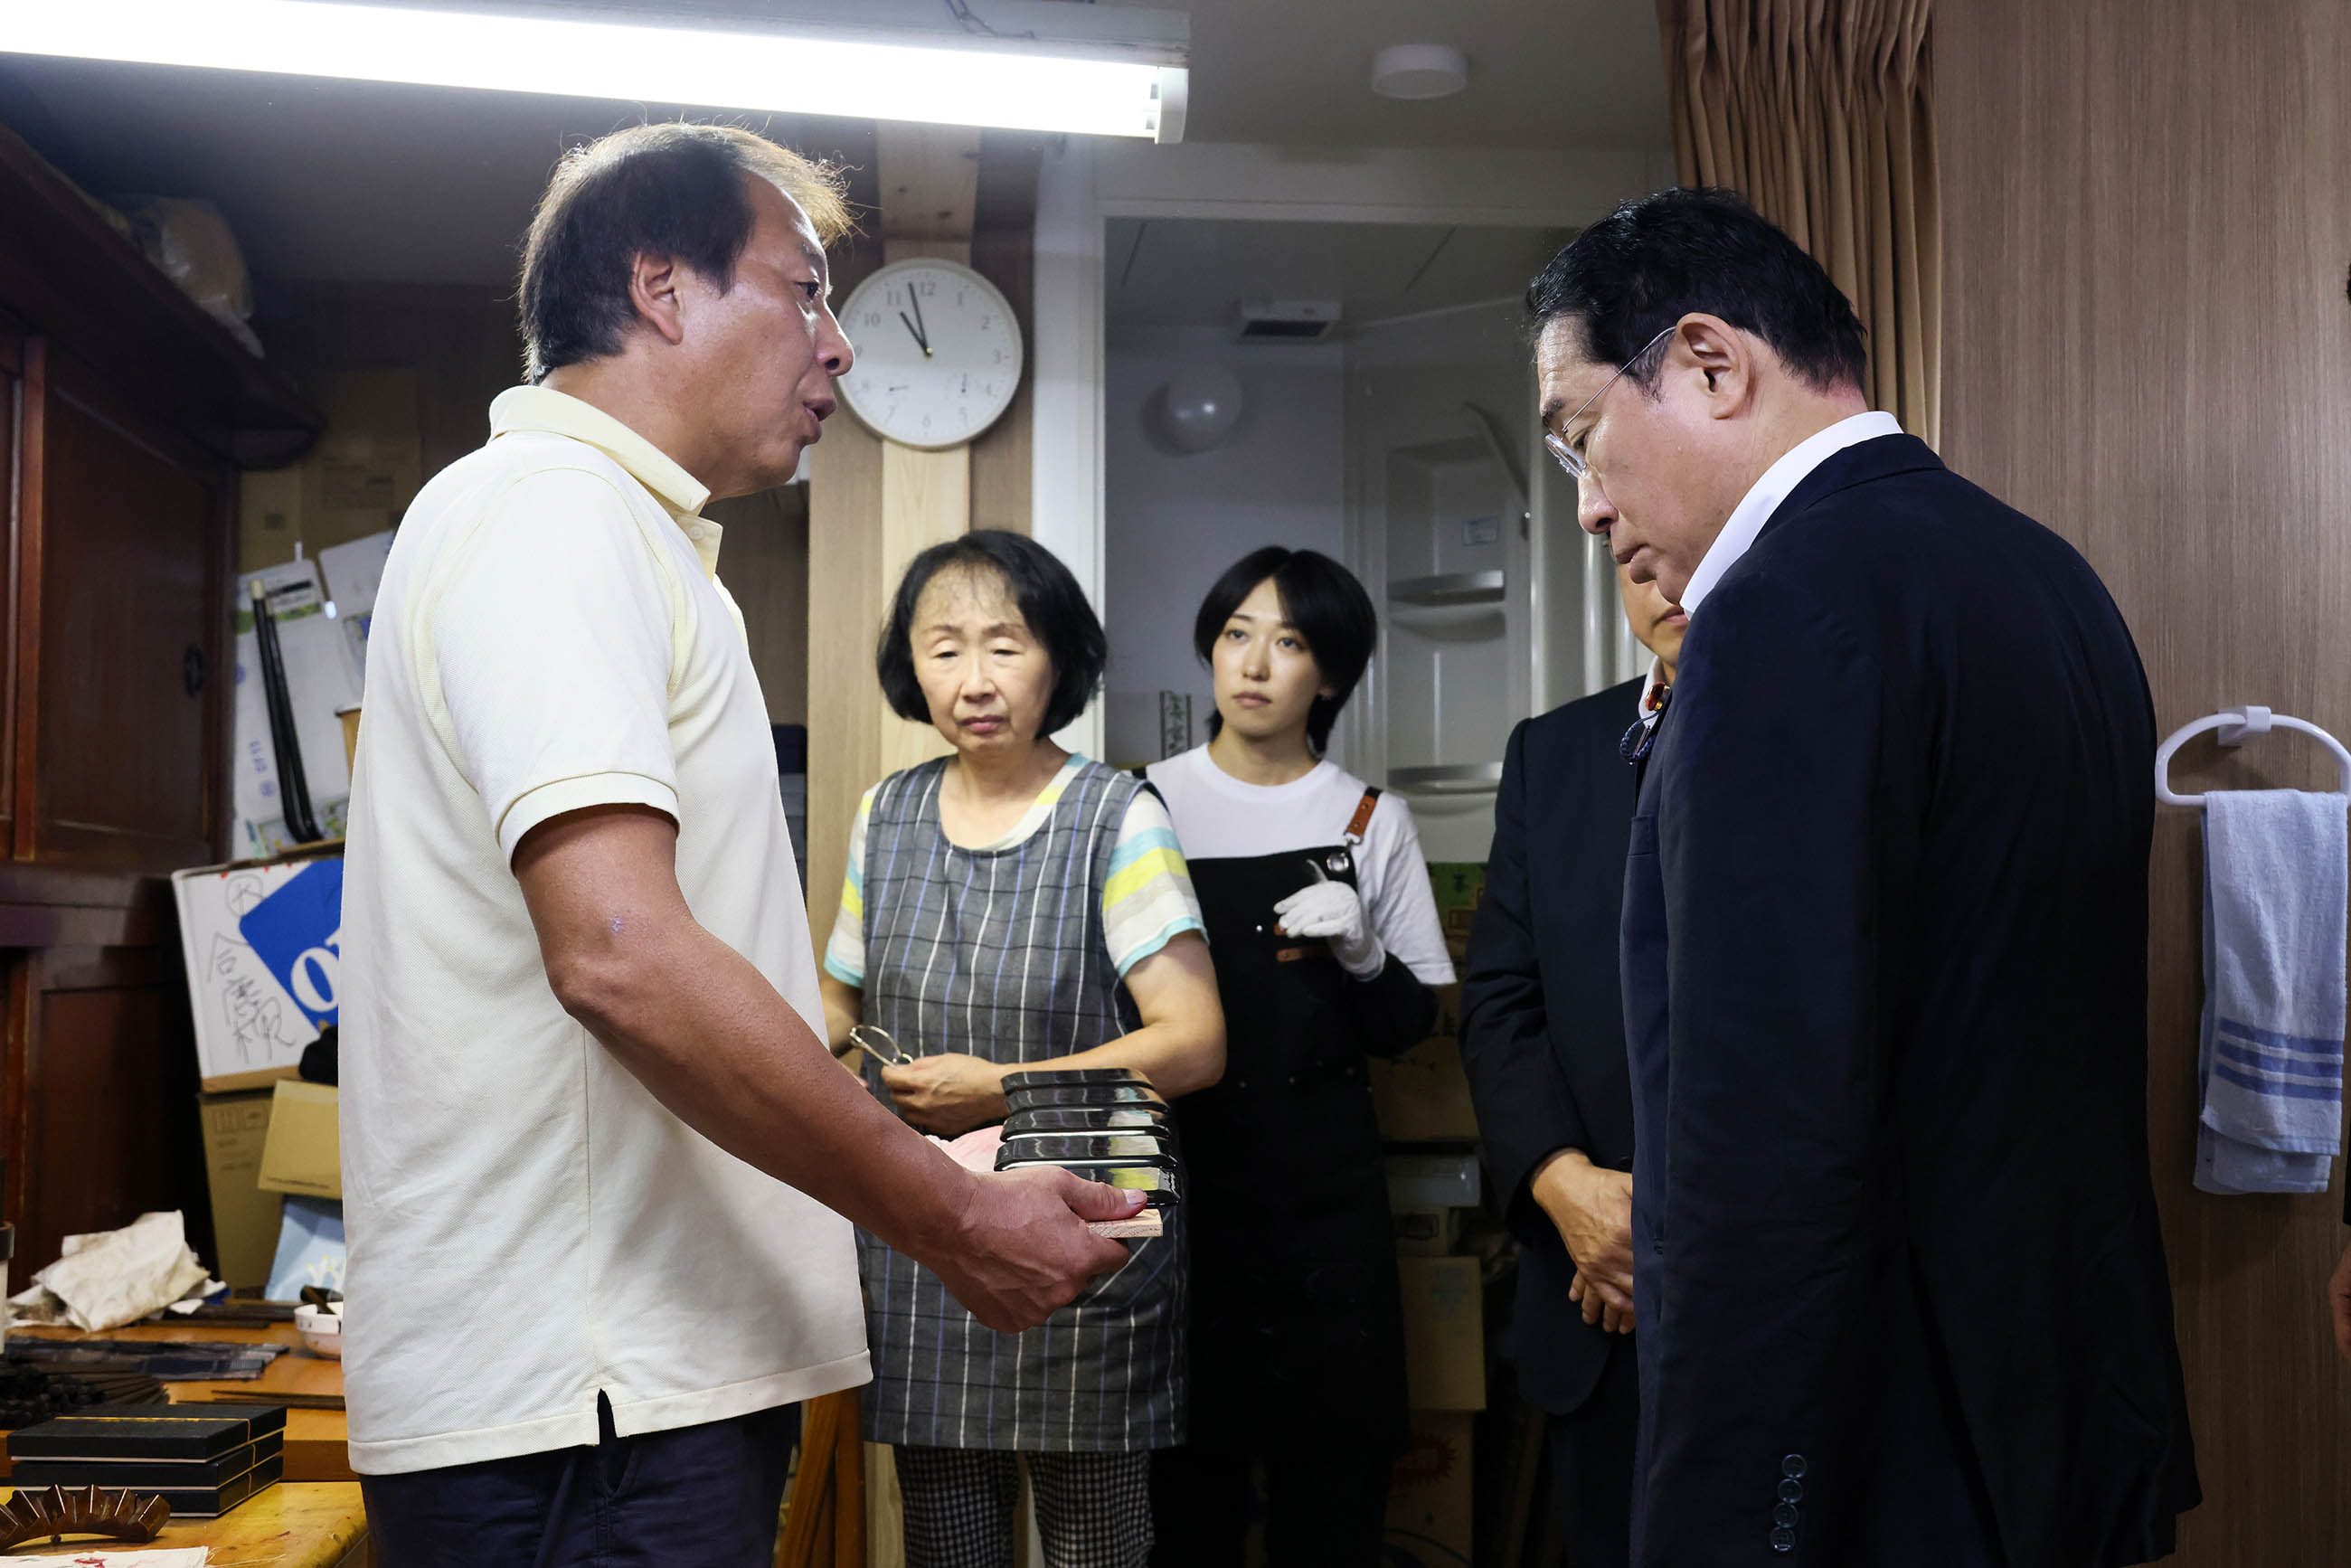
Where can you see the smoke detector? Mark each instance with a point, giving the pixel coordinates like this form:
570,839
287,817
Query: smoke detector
1419,70
1286,320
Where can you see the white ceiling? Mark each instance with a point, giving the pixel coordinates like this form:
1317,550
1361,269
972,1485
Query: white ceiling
1196,272
1542,73
365,183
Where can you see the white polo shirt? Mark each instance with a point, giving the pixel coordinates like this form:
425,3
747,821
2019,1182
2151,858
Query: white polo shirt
528,1226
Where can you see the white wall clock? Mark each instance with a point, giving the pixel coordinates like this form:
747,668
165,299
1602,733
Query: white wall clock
938,353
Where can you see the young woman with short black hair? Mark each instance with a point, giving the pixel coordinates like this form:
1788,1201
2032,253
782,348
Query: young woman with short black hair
1323,929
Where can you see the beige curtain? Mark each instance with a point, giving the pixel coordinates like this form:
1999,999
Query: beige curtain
1820,112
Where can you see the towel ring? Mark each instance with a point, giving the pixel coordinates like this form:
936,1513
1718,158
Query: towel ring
2236,728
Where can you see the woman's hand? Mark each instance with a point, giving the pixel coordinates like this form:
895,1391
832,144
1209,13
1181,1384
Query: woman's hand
947,1094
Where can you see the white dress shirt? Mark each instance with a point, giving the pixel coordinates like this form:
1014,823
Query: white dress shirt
1755,508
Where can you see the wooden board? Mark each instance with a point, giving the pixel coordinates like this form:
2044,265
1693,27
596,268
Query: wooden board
2148,217
930,187
295,1524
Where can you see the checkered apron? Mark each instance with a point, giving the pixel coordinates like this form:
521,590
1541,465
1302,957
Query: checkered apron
1000,954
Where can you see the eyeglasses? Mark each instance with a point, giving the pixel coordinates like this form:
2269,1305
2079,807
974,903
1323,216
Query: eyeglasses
876,1043
1568,457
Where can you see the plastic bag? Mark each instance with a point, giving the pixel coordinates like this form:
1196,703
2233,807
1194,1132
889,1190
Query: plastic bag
190,241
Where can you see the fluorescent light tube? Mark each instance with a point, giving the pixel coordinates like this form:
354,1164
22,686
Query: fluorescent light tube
1026,82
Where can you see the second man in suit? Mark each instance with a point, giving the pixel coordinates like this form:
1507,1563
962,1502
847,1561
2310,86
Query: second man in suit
1543,1041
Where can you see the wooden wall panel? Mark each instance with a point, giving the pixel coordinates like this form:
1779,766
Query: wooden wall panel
764,562
2148,348
1000,459
844,705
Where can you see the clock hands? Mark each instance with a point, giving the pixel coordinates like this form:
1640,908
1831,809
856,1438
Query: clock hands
916,333
921,328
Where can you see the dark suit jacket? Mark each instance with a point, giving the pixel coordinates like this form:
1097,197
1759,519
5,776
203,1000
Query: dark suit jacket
1542,1015
1885,993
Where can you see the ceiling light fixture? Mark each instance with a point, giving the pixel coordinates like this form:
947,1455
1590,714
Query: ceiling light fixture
1028,65
1419,70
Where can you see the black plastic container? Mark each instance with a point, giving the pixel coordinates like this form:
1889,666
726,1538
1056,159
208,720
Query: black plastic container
1159,1180
1064,1077
1081,1119
1065,1094
1132,1145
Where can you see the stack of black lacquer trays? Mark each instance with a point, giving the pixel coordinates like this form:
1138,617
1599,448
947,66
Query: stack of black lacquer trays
1106,1123
203,1460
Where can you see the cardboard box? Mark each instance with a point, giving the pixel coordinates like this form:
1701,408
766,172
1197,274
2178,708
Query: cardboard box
1444,1333
1422,1096
1425,1232
356,481
1431,1494
1433,1180
245,1218
263,943
304,1150
1459,886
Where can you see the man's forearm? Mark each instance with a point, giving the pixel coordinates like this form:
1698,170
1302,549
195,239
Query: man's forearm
703,1030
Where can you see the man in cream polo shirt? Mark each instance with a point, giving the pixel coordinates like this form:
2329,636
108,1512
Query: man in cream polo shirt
599,1169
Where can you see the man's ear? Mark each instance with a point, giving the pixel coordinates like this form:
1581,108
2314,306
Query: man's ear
1725,356
654,290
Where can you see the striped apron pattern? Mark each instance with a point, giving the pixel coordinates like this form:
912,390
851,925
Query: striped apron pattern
1000,954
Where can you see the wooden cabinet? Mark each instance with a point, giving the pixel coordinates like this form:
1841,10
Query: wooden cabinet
127,625
12,417
128,413
109,1080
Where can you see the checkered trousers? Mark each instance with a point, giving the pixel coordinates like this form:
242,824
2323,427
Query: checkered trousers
1093,1511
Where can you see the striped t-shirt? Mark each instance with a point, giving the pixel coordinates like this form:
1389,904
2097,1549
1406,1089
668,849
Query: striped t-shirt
1147,902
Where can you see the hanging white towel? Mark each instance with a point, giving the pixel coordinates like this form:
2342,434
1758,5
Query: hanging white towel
2277,870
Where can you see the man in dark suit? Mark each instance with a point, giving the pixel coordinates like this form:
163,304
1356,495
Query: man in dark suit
1901,1292
1543,1041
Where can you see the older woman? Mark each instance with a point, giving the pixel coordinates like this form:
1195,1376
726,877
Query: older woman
1008,905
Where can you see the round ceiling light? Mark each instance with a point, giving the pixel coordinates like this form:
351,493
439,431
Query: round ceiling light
1419,70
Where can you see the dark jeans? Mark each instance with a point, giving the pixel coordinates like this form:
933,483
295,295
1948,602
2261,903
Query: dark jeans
1591,1467
706,1495
1325,1507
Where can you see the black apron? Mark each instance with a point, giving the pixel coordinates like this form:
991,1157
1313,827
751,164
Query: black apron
1297,1328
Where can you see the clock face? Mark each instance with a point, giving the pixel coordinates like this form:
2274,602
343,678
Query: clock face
938,353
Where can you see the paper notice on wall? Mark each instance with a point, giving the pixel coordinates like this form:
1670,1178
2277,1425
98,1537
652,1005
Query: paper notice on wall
323,674
264,951
354,572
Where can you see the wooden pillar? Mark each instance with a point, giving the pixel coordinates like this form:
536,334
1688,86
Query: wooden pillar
875,505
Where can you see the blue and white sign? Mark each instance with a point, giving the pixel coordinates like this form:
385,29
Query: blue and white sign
297,931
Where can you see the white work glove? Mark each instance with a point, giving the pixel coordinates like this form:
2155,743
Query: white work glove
1332,909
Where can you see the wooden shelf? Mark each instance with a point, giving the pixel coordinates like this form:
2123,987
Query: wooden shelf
66,271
